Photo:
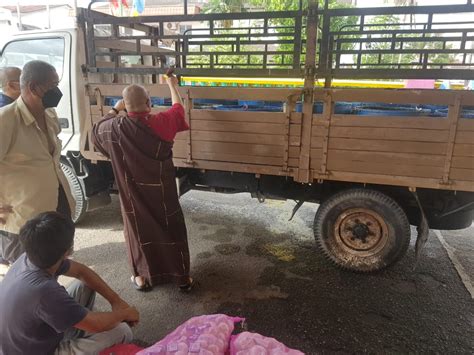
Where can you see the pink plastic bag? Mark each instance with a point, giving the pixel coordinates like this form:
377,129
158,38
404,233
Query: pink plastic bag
121,349
203,335
247,343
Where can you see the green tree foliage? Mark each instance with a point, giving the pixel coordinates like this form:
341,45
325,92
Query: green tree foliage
336,24
390,60
284,28
224,7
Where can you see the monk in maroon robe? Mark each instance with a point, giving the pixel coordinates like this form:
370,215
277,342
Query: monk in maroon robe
139,144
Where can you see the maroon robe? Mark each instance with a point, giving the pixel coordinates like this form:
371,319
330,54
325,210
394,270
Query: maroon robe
154,226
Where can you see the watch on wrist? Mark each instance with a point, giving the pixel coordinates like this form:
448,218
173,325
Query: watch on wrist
115,110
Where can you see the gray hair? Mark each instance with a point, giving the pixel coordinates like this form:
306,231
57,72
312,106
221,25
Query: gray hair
37,72
8,74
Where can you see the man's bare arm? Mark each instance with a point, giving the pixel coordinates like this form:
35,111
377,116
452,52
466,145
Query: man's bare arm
172,82
95,282
97,322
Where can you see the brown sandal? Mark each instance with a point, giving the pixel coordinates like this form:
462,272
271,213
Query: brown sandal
142,288
186,288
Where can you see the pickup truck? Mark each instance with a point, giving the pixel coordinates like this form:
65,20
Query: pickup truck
375,160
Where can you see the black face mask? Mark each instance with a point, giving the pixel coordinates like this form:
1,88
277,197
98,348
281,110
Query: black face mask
52,97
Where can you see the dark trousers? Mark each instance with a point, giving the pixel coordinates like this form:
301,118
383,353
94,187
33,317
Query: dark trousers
10,246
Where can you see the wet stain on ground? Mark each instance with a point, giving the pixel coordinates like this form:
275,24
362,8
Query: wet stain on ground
227,249
204,255
223,235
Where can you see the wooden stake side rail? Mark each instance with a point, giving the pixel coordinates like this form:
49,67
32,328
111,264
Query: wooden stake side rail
425,152
270,47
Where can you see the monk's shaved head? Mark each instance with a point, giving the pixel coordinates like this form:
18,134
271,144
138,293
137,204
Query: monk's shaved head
136,98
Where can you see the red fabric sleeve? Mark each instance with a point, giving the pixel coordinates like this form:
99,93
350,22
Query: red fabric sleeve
167,124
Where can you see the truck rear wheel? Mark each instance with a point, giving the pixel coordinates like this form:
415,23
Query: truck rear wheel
77,192
362,230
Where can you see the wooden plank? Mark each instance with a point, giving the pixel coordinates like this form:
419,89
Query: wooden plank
244,127
155,90
326,127
316,153
388,158
463,162
429,123
244,116
294,152
465,137
466,125
235,167
384,168
229,93
238,158
238,148
463,150
223,93
180,149
393,134
387,146
453,117
188,105
254,138
286,151
312,20
318,131
396,180
462,174
316,156
182,136
396,96
97,114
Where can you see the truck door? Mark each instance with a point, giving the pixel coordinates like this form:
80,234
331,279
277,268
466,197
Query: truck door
54,49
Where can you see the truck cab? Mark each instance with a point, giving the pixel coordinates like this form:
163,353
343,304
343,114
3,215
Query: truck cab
65,51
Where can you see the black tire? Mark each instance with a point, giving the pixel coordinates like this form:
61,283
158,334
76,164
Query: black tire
77,191
361,230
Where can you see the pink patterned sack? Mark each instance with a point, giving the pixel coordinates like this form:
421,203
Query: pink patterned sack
247,343
203,335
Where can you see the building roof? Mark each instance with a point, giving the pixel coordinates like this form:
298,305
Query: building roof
157,10
25,9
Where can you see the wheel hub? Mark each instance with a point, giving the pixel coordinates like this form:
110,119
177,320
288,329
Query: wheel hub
361,231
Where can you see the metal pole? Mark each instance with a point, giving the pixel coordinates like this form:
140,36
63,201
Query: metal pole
18,15
185,7
48,10
74,6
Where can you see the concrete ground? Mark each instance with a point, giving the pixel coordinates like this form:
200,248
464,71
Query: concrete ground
251,262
